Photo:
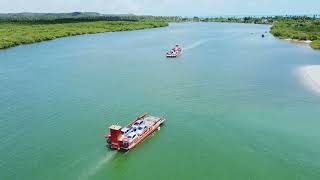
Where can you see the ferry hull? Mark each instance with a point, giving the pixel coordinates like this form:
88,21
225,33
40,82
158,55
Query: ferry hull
173,55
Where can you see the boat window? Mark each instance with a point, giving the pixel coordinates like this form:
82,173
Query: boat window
133,136
140,128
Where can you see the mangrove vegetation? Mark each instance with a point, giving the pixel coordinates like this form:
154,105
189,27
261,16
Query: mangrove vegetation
299,30
19,29
24,28
302,28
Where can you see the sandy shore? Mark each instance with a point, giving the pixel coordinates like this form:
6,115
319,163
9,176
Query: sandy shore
310,76
299,41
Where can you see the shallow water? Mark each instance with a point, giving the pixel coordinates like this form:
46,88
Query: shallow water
234,105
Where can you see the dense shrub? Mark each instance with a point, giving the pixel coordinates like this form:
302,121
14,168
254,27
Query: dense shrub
16,33
298,29
315,44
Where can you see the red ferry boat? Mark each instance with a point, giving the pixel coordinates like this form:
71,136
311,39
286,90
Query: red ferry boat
126,138
175,52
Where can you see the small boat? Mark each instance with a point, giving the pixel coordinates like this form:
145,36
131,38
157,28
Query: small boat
262,35
175,52
126,138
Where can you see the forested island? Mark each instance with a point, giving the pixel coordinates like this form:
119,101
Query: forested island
25,28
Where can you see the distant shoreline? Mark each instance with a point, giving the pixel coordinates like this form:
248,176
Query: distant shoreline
31,28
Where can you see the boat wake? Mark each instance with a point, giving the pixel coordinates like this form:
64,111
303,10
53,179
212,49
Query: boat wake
93,170
197,44
309,76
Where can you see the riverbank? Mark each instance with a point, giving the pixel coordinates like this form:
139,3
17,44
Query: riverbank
307,31
299,41
18,33
296,28
310,77
29,28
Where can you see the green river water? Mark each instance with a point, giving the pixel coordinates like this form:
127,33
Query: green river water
234,105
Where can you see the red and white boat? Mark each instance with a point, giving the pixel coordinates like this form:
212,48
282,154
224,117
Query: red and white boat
175,52
125,138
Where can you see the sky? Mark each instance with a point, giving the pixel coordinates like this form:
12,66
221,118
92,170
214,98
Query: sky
166,7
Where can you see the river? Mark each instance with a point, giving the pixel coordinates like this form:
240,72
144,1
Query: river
234,105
